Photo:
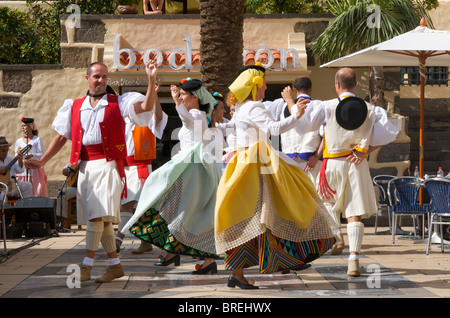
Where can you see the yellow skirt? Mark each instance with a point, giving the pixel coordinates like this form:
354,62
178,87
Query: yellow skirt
261,190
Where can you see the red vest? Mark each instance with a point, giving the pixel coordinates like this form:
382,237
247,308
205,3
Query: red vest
112,130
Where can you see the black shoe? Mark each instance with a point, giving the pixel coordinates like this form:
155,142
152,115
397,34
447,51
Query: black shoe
296,268
233,282
175,259
205,270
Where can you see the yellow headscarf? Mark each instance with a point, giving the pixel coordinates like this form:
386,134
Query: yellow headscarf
247,82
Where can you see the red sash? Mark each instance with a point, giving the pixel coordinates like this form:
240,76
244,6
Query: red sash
323,188
113,146
142,167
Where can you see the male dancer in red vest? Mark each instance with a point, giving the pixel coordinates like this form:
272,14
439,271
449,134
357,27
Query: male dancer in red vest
96,126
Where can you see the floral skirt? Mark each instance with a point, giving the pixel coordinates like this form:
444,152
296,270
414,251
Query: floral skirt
175,210
152,228
274,254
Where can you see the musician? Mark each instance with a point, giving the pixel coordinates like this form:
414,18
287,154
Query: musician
70,191
37,177
26,189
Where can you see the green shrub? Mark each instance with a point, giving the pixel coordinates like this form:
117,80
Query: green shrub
21,42
34,37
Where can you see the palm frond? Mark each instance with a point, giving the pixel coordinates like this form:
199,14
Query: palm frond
350,31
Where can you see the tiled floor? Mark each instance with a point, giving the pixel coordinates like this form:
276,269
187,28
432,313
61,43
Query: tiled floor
41,269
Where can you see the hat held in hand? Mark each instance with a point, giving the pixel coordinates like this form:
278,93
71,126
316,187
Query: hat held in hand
351,112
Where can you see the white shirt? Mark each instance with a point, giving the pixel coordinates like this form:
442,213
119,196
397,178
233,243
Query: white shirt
254,122
15,167
194,125
318,113
91,117
228,130
37,150
275,107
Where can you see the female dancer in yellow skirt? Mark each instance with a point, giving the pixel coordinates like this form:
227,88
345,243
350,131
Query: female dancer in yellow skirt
267,209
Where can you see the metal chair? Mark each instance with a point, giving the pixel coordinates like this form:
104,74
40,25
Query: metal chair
4,199
439,191
382,181
403,194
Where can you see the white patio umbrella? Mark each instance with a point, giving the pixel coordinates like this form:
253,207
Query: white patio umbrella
419,47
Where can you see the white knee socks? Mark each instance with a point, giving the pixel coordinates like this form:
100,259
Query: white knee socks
108,239
97,232
94,233
355,232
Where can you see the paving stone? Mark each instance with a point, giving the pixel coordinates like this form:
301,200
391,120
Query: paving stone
387,271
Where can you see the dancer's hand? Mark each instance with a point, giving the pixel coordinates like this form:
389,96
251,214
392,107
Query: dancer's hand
302,103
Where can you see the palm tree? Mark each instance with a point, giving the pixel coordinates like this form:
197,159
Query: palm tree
354,28
222,44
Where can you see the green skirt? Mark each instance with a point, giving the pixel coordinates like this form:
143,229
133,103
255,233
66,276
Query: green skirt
152,228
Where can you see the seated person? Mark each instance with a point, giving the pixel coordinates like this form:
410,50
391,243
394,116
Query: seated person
153,6
9,166
68,192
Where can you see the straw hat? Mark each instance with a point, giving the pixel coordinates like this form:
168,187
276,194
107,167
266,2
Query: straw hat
4,142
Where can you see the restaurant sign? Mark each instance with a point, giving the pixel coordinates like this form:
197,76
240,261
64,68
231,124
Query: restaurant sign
170,58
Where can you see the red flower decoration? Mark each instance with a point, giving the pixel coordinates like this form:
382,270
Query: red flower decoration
198,266
183,81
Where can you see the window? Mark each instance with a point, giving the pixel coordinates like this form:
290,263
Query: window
435,75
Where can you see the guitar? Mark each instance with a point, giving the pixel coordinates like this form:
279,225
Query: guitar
73,176
4,177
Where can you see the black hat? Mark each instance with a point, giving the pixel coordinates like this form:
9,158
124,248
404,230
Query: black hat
190,85
218,96
351,112
110,90
257,66
26,120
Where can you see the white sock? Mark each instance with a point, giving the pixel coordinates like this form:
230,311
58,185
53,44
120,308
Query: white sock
355,232
353,257
88,261
108,239
94,232
113,261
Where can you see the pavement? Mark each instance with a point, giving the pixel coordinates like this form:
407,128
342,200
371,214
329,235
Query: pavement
46,267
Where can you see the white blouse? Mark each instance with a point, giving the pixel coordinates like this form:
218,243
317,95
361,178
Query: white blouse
193,128
91,117
37,150
254,122
318,113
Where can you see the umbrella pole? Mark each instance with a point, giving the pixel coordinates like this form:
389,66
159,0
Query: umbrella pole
422,60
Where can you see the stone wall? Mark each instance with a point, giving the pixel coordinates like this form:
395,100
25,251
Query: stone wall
38,91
